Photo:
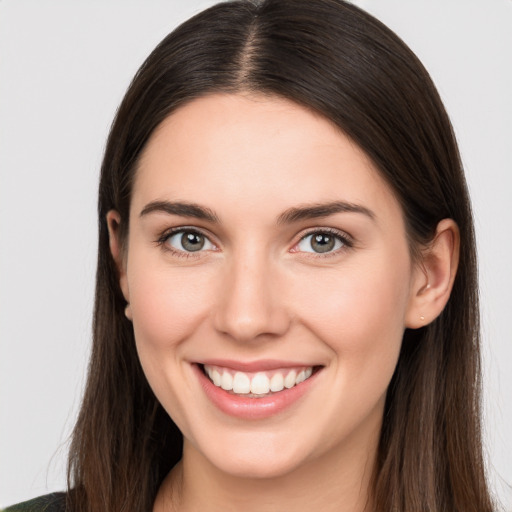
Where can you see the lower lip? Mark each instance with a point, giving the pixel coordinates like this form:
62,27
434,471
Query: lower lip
252,408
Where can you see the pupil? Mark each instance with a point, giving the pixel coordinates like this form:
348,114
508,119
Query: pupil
322,242
192,241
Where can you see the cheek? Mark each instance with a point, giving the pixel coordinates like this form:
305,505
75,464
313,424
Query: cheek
167,303
351,300
168,306
359,312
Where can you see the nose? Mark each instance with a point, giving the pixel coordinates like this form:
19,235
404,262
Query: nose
251,303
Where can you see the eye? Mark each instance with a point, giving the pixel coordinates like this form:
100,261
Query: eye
321,242
188,240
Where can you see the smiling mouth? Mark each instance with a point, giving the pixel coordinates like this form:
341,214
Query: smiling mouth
257,384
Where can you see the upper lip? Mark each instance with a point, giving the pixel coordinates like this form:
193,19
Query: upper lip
254,366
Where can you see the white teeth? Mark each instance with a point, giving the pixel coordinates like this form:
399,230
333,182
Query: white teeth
216,377
277,382
258,383
226,381
241,383
289,380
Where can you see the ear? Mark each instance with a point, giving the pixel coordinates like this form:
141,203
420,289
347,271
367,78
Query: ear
116,249
434,276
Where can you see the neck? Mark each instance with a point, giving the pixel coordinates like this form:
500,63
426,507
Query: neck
338,481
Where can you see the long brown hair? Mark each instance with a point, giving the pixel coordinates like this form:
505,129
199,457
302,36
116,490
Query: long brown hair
337,60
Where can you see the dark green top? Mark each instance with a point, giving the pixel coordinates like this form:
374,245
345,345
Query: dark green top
54,502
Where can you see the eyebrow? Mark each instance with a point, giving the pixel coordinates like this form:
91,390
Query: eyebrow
320,210
180,208
289,216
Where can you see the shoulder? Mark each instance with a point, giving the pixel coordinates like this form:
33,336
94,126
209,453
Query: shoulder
54,502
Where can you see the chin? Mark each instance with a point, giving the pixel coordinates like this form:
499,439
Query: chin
262,468
256,459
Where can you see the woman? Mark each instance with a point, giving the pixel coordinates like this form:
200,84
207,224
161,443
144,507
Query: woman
281,209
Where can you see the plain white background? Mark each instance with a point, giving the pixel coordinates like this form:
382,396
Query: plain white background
64,67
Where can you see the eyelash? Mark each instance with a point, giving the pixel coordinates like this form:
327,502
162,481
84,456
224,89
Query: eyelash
164,237
345,240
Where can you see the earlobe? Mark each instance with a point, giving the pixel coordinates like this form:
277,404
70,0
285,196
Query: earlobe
433,281
114,223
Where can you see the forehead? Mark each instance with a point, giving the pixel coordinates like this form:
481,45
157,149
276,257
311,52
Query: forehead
254,154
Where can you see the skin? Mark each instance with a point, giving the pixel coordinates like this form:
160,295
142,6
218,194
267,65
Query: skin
258,291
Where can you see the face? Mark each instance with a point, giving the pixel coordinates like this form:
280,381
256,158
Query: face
269,280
